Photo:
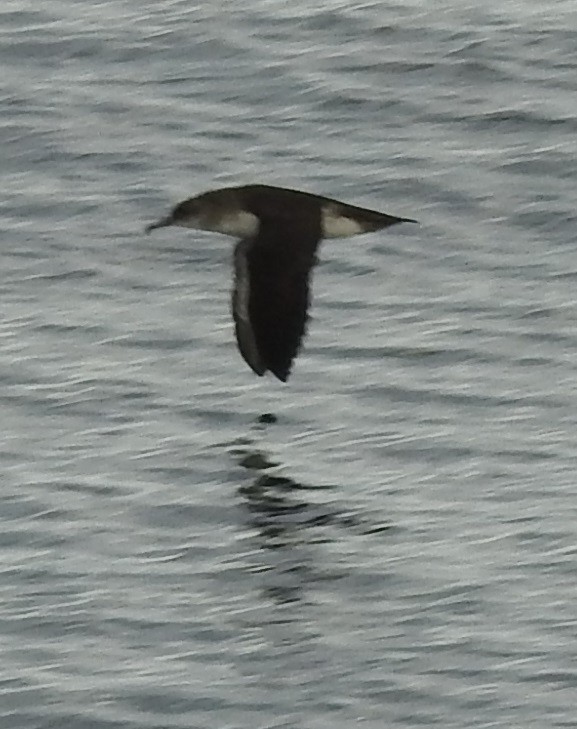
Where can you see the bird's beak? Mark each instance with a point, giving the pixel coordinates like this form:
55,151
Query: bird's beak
162,223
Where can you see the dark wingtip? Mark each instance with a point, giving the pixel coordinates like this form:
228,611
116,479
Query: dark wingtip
281,374
385,221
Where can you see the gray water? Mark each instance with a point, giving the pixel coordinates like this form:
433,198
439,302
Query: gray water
399,548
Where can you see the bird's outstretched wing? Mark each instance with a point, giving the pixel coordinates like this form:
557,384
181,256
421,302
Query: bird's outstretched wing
271,293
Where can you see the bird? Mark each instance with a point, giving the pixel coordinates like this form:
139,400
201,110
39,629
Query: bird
278,232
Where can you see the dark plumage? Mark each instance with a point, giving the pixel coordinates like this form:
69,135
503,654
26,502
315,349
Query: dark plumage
279,231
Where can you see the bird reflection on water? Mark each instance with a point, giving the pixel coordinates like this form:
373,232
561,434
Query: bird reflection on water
285,523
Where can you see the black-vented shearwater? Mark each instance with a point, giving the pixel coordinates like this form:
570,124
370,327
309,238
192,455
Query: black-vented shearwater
279,231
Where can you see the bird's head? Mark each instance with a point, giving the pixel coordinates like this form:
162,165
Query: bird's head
186,214
219,211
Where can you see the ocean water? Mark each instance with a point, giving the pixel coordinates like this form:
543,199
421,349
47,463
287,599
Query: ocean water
398,549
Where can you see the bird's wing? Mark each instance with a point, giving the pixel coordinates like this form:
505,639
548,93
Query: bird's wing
241,294
271,293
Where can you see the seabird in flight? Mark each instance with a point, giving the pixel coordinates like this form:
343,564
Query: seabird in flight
279,231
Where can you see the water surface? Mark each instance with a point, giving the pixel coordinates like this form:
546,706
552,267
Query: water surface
399,547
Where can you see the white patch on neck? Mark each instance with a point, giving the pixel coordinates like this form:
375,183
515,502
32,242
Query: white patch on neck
337,226
239,224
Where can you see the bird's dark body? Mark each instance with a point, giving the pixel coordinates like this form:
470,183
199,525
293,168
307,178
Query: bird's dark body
280,231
